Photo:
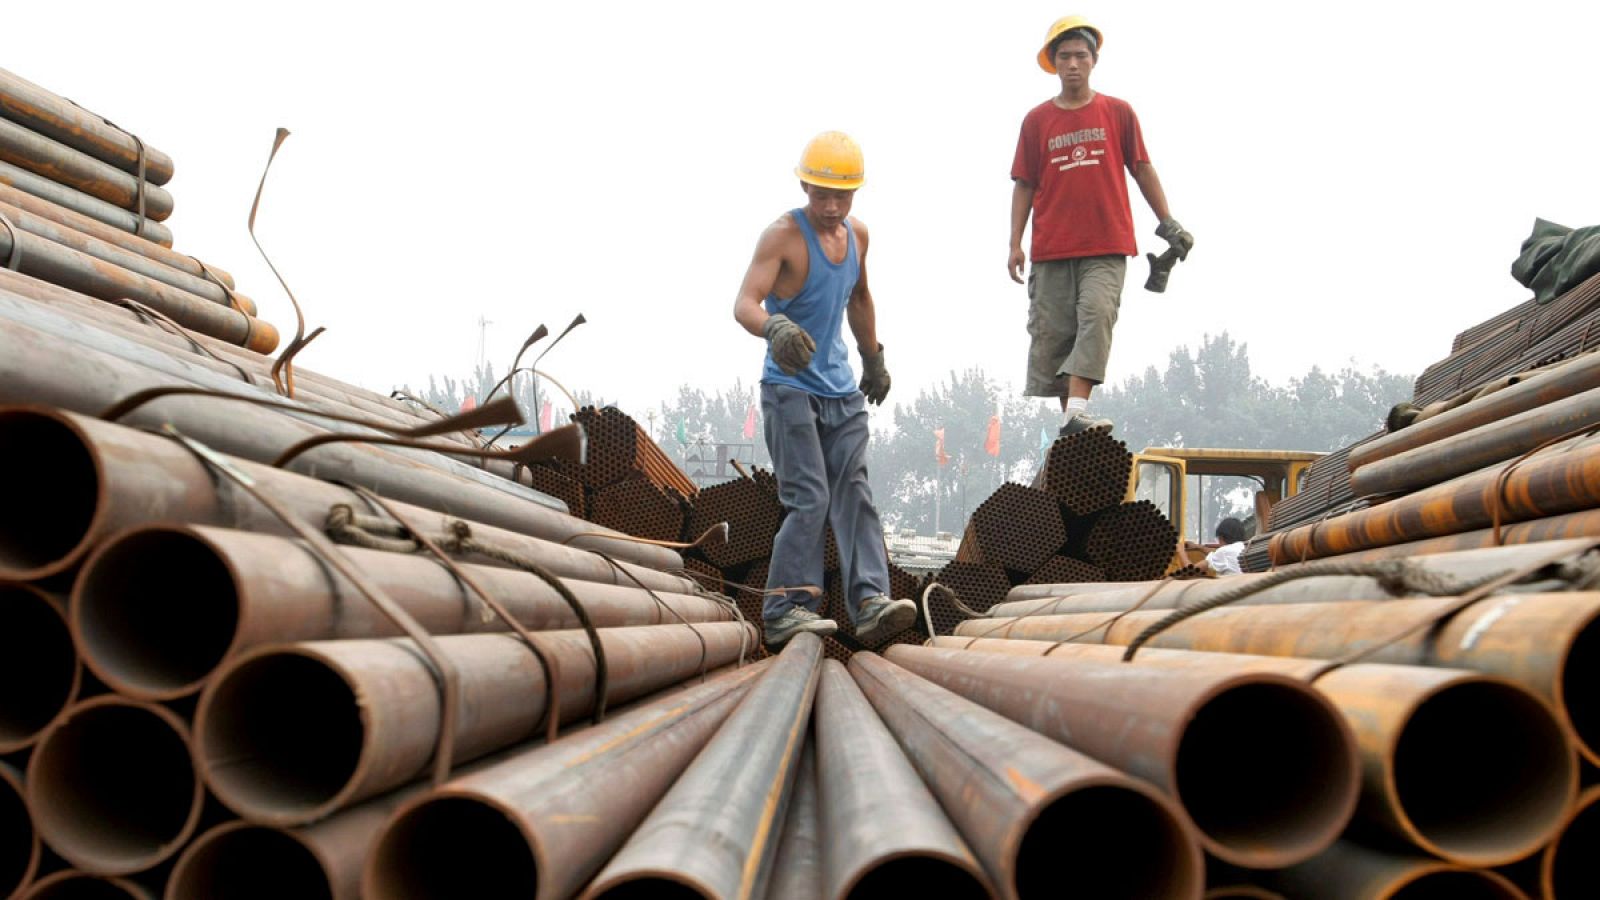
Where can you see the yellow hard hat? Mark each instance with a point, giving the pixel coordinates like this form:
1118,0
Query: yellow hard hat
832,160
1062,26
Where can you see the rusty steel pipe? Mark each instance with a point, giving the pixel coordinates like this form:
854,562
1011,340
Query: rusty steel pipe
1029,808
74,885
1469,451
60,119
38,664
290,733
797,869
1575,377
1467,767
19,842
107,252
159,608
1349,871
1547,643
1241,892
1465,567
83,204
883,831
62,265
1582,524
730,802
27,149
1181,729
112,786
1567,867
1561,479
541,823
99,230
93,478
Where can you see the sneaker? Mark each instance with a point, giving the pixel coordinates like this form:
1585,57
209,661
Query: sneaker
1084,422
796,620
881,617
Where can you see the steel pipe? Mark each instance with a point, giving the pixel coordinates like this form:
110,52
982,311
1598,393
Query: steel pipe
1467,767
112,786
1567,867
1349,871
729,803
73,885
540,824
1030,808
288,734
1582,524
1561,479
1181,728
1547,643
82,203
60,119
797,869
40,155
884,832
92,479
38,665
1464,567
111,234
1492,442
158,609
19,842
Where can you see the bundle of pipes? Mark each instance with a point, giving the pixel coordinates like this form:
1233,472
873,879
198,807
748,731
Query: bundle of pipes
619,449
552,478
1063,569
1086,472
1017,528
977,585
80,200
1129,542
640,508
752,513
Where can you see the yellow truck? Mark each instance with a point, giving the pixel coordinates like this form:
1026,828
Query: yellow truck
1178,479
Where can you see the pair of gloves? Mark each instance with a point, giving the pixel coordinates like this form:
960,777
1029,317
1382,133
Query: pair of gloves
792,348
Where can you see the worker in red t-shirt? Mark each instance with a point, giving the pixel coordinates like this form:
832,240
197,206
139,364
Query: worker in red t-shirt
1068,175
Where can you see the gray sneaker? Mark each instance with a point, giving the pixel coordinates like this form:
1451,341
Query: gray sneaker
881,617
1084,422
796,620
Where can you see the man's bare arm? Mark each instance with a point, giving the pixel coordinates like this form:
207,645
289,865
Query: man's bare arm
759,280
1144,174
1021,207
861,315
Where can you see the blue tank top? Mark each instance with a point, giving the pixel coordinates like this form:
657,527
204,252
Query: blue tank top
819,309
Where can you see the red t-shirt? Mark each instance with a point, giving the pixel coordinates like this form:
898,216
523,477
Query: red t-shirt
1074,158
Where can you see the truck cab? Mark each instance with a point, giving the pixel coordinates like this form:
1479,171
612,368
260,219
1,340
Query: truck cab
1178,480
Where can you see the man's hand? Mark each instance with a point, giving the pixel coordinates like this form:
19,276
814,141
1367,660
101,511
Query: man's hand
791,346
1018,261
874,376
1176,238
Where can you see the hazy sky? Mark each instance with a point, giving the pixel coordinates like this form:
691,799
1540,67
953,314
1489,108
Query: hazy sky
1357,177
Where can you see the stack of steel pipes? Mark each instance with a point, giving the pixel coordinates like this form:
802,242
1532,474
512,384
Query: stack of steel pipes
620,450
1472,713
80,206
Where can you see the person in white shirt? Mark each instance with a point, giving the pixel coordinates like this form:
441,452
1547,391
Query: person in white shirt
1225,559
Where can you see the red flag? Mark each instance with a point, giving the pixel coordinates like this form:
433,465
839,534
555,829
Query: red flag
750,422
546,414
942,457
469,403
992,444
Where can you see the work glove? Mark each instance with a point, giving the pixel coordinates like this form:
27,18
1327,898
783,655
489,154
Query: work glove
874,376
1176,238
791,347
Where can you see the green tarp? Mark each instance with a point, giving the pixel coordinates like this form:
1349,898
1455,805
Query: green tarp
1556,258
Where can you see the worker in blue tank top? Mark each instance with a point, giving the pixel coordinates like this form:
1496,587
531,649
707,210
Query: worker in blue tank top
809,278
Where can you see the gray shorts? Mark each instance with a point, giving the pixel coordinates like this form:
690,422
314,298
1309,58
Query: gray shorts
1072,309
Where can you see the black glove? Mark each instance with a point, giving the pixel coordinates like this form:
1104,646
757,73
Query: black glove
874,376
1176,238
790,345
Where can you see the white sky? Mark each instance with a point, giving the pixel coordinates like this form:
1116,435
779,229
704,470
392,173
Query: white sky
1358,177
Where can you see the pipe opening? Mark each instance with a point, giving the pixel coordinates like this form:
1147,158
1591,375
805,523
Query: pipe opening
1458,886
19,845
77,886
282,734
1483,772
452,847
1266,772
38,666
1117,841
156,611
249,863
113,787
52,502
1578,678
918,876
651,889
1572,871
